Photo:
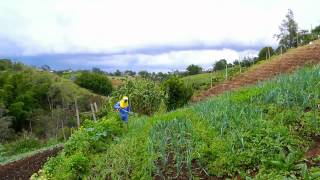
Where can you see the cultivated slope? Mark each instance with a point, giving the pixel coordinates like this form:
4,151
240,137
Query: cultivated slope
293,59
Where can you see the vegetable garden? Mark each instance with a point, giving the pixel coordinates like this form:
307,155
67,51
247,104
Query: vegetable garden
261,132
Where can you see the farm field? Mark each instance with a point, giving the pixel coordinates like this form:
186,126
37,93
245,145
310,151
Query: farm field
286,63
266,131
203,81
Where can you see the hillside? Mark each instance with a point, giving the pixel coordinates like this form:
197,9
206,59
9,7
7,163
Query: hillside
204,81
36,104
288,62
263,131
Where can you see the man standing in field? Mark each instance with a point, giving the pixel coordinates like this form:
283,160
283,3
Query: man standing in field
123,108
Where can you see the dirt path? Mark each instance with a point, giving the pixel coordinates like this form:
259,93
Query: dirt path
24,168
288,62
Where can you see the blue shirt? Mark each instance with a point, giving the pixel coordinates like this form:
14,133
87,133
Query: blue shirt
124,112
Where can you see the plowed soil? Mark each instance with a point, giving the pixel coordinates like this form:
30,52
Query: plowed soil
285,63
23,169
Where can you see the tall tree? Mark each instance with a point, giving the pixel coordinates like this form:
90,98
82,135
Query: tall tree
265,53
194,69
219,65
288,31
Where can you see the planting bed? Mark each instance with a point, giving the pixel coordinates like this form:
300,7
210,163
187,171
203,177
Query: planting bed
23,169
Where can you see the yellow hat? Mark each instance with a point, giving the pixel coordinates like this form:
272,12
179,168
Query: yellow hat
124,102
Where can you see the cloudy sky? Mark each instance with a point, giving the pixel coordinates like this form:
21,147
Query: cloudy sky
154,35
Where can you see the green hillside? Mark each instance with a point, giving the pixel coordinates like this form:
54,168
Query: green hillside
204,81
261,131
38,103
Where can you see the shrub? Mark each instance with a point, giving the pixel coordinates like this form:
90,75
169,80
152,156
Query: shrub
98,83
177,93
145,96
22,145
78,165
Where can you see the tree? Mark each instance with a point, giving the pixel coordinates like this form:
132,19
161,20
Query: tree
265,52
177,93
6,132
117,73
97,70
45,68
194,69
5,64
288,31
316,30
144,74
130,73
236,62
98,83
219,65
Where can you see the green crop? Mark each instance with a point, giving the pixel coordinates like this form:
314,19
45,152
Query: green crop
257,132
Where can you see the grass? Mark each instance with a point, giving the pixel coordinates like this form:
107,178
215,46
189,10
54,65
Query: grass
203,81
257,132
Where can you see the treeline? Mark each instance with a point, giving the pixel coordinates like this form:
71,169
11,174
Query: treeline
38,102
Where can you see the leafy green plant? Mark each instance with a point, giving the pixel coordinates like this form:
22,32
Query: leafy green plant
177,93
145,96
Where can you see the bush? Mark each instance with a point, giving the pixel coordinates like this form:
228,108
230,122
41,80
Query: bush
145,96
21,146
78,165
177,93
98,83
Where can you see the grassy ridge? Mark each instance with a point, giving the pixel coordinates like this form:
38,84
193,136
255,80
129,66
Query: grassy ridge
262,130
203,81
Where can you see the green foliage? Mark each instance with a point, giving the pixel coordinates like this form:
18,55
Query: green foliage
5,64
203,81
288,31
78,165
36,100
177,93
262,130
97,82
145,96
265,52
194,69
91,138
22,145
316,30
220,65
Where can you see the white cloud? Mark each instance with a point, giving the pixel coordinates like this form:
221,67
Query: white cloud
106,26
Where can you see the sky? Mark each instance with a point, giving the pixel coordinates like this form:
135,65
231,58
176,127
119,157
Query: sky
153,35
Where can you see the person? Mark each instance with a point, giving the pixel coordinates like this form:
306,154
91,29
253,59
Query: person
123,108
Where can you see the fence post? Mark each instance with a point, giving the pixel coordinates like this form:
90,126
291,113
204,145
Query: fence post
95,107
77,112
226,71
92,110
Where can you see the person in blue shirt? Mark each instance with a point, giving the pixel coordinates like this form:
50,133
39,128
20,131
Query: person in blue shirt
123,108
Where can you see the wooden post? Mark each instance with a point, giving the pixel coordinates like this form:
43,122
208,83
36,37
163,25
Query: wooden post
226,71
77,112
266,56
269,52
95,107
240,63
92,110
